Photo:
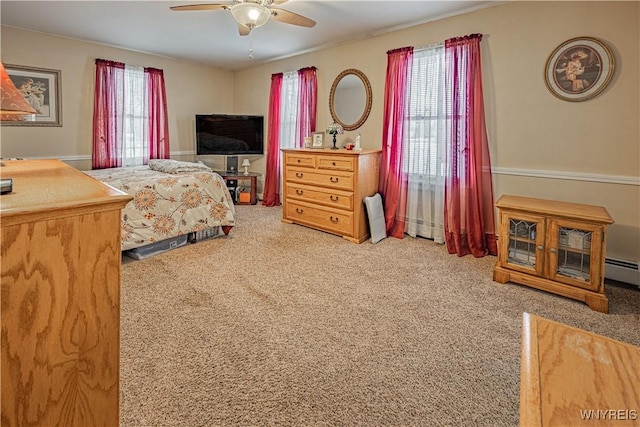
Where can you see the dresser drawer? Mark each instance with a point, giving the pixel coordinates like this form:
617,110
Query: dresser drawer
343,163
300,159
331,179
319,217
328,197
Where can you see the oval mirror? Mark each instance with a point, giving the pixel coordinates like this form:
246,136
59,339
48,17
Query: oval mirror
350,99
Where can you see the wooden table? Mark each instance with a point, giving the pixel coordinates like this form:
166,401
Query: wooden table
571,377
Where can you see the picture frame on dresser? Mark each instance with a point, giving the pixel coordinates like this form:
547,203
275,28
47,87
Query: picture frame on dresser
317,140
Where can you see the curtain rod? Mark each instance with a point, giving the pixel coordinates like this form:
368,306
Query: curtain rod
429,46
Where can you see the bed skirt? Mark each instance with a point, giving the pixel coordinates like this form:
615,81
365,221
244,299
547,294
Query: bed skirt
155,248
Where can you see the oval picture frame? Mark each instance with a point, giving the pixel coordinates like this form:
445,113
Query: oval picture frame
579,69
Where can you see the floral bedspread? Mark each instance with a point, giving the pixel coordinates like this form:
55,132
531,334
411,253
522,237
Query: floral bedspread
168,205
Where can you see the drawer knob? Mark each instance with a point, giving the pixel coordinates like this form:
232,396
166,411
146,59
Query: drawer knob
333,179
298,210
299,175
552,250
298,160
333,163
333,219
299,192
334,198
540,248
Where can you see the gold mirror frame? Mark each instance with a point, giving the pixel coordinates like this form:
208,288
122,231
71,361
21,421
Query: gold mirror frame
367,107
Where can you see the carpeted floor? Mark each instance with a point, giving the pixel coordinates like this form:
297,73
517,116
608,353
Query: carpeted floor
279,324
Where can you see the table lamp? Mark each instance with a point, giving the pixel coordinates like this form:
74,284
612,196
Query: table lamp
246,164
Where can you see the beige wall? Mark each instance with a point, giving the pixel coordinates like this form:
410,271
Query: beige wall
586,152
191,88
541,146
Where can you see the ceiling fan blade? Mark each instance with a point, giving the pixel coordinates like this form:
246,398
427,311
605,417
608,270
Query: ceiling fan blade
199,7
244,31
287,17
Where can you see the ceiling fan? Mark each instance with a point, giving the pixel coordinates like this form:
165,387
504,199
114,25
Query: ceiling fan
250,14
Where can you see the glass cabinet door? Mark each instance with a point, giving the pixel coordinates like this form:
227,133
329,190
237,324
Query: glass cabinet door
574,249
522,246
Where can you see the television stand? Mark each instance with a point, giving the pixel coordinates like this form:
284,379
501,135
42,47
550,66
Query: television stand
234,175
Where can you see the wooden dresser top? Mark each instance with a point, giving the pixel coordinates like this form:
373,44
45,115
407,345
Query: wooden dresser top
568,375
555,208
52,187
329,151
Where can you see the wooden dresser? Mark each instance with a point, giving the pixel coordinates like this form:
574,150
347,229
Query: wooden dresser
60,296
571,377
324,189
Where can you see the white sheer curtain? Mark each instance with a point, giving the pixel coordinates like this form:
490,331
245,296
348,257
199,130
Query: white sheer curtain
289,110
135,148
288,114
425,154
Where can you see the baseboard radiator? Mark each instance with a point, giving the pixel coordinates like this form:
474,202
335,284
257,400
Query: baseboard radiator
622,271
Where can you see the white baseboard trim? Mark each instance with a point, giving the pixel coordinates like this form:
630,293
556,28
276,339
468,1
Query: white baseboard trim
182,153
84,158
573,176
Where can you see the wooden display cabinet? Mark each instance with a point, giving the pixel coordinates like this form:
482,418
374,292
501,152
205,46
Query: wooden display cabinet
554,246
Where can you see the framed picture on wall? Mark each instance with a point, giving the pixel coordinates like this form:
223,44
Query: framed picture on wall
317,140
579,69
41,88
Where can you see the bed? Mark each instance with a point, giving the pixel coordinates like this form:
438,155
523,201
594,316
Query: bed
170,199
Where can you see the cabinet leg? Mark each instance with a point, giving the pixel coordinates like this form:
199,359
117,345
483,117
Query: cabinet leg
500,275
597,303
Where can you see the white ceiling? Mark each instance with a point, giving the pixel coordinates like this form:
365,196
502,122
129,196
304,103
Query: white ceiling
211,37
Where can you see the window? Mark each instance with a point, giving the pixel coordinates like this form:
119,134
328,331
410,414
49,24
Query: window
130,121
425,144
292,116
426,120
289,110
134,145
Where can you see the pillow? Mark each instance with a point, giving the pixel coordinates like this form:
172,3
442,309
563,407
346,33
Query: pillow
375,212
176,166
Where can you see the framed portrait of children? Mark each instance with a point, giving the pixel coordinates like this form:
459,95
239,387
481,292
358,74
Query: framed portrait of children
579,69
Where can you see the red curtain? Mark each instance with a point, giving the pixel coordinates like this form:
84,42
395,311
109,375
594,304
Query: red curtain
271,192
305,124
469,210
107,115
393,180
158,118
307,103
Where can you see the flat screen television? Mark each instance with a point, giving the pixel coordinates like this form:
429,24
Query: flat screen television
229,135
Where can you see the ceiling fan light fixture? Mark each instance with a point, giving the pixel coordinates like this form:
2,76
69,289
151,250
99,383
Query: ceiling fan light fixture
251,15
